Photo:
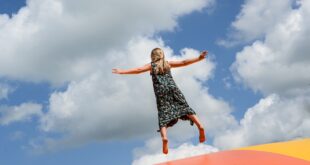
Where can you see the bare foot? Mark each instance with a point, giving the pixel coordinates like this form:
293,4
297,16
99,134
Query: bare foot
165,146
202,136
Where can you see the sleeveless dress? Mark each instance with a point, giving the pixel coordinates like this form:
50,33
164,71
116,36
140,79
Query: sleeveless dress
171,103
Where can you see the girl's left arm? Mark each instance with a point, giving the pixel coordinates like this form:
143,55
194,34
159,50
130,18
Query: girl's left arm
137,70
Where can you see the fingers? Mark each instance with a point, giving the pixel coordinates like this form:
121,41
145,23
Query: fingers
203,54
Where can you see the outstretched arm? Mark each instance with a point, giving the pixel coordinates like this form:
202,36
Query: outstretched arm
185,62
137,70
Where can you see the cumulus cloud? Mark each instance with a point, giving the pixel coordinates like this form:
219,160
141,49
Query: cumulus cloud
282,59
79,43
276,66
60,40
105,106
273,119
257,18
23,112
151,154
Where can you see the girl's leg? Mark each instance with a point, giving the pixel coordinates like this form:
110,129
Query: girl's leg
195,119
163,133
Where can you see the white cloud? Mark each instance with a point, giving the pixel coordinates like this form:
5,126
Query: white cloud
276,66
279,63
105,106
256,18
273,119
23,112
61,40
80,42
152,154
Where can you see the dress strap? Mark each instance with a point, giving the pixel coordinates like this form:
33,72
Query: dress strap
152,68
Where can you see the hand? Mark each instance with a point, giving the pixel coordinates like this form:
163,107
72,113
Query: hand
116,71
203,54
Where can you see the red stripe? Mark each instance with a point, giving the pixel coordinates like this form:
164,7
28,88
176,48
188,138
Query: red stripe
239,157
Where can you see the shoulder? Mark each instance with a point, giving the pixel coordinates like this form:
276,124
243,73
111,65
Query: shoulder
148,66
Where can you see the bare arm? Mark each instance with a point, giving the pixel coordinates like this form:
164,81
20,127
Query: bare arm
185,62
137,70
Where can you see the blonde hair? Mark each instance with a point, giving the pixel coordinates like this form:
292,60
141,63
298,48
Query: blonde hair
159,59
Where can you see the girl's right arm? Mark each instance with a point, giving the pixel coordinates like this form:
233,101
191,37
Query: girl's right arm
137,70
186,62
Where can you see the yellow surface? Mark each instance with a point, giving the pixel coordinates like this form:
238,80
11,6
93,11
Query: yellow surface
297,148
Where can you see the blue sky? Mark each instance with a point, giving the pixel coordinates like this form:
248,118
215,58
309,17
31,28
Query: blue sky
201,31
46,85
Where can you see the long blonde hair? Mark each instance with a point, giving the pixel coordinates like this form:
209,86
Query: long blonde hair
159,59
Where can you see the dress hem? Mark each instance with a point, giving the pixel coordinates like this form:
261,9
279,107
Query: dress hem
175,120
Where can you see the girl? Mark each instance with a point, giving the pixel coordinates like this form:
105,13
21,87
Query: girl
171,103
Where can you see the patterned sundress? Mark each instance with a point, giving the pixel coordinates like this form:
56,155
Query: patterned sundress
171,103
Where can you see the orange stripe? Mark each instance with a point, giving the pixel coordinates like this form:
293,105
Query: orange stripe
239,157
299,148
